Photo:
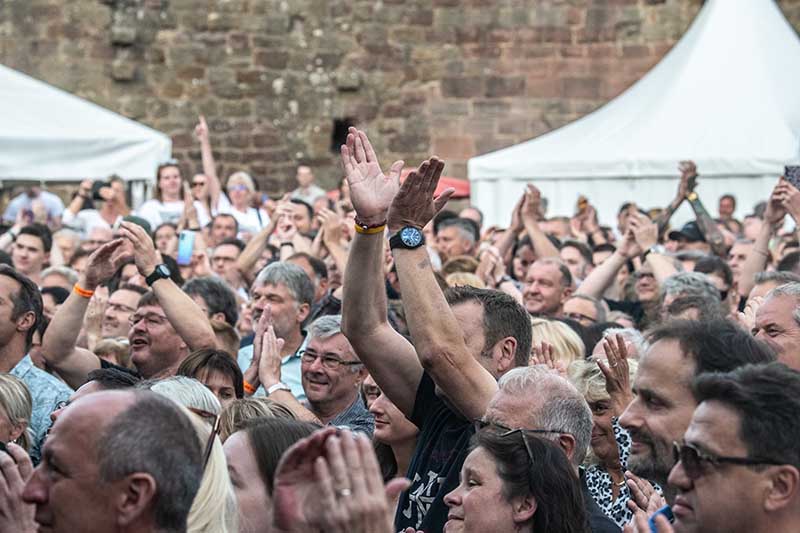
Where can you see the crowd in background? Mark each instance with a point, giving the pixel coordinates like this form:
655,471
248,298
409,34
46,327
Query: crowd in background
368,359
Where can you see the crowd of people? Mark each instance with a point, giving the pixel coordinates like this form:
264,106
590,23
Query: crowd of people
369,359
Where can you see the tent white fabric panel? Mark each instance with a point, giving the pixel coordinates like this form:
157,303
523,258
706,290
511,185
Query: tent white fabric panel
48,134
723,96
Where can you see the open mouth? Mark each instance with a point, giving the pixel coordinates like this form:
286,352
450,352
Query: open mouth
139,342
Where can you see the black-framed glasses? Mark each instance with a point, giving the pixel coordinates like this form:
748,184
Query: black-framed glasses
214,431
331,362
504,431
149,319
196,184
577,317
696,462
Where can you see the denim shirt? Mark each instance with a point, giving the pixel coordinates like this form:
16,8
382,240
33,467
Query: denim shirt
46,391
290,369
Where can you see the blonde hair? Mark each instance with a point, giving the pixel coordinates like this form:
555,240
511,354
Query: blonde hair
465,278
239,412
187,392
242,177
214,507
567,345
460,263
589,379
15,399
118,349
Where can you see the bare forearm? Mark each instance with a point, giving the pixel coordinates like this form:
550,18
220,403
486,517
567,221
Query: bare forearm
288,400
62,333
364,300
252,252
506,242
185,316
542,246
339,255
756,260
602,276
662,266
709,228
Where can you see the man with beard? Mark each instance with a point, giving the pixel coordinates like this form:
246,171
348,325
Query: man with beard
165,327
663,403
282,295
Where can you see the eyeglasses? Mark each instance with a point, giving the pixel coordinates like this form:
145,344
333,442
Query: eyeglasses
695,462
149,320
119,308
61,405
580,316
641,275
505,430
330,362
238,188
196,184
214,431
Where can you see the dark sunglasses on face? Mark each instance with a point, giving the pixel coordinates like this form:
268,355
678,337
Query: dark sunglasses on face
196,184
696,462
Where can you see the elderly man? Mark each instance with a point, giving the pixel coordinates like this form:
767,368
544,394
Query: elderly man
118,461
777,323
739,465
331,373
286,291
585,310
165,327
454,237
548,285
663,404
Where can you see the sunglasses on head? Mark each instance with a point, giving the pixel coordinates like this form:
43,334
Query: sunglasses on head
696,462
214,419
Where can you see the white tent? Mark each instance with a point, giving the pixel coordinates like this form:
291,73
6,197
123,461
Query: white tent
725,96
50,135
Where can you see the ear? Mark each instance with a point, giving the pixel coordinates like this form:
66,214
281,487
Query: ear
218,316
566,293
567,443
303,312
323,284
26,321
505,352
783,489
523,509
137,492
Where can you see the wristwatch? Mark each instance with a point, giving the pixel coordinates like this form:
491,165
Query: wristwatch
161,272
692,196
409,238
278,386
655,249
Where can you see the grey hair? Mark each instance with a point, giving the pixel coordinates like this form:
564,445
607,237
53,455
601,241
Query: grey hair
563,407
464,228
776,276
788,289
326,327
69,274
631,335
600,306
156,436
187,392
70,233
566,275
291,276
690,284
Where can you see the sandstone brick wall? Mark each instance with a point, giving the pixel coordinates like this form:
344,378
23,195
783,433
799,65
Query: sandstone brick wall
278,78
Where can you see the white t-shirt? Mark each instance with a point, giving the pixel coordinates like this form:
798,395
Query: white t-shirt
85,221
251,221
156,212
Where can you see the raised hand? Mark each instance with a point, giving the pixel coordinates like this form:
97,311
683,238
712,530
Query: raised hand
688,181
144,251
104,263
269,366
263,322
531,205
544,354
645,231
628,246
15,470
201,130
331,226
415,204
617,373
644,497
776,206
371,191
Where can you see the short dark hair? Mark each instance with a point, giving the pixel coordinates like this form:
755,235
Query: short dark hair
317,265
42,232
466,225
767,398
503,317
59,294
270,438
789,262
730,197
213,360
217,295
233,241
226,215
113,378
27,300
155,436
582,248
544,473
604,247
440,217
715,346
711,264
138,289
706,310
308,207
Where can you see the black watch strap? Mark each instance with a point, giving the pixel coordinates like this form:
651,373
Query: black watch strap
160,272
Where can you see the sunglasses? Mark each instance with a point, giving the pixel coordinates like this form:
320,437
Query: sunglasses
196,184
696,462
214,431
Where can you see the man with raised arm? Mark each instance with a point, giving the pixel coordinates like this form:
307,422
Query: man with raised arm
166,326
461,343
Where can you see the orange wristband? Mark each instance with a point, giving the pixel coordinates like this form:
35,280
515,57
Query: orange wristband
80,291
248,388
370,231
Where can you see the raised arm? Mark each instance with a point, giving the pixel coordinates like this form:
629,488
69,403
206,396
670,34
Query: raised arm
252,252
646,234
189,321
602,276
439,340
209,165
704,221
58,345
389,357
757,260
530,211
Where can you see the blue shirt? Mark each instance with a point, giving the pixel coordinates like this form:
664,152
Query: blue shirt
290,369
51,202
46,391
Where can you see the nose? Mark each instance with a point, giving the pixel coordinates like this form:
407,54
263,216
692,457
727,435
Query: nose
35,491
453,498
630,417
678,478
377,406
316,366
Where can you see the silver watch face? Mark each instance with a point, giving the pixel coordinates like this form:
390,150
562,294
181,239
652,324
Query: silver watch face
411,237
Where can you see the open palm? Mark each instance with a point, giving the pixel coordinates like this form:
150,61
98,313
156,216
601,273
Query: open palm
371,191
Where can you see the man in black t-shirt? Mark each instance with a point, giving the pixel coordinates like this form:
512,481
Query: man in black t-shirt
461,344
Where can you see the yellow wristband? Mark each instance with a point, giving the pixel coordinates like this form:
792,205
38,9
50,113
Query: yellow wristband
370,231
80,291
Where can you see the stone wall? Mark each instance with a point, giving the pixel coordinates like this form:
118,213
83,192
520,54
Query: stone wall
279,80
